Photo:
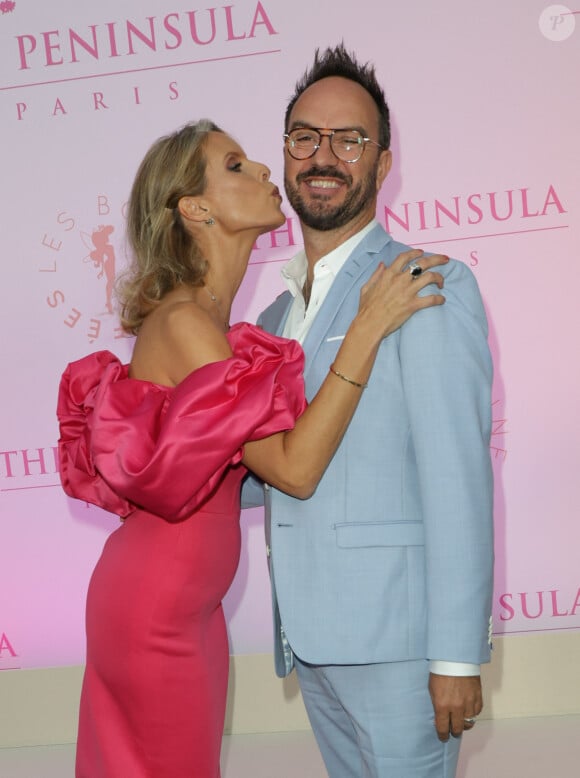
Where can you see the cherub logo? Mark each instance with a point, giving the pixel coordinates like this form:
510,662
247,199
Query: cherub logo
103,258
84,307
6,6
557,22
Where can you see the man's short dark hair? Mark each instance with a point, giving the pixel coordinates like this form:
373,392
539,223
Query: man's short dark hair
338,61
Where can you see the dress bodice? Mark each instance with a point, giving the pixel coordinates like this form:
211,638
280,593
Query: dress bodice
127,443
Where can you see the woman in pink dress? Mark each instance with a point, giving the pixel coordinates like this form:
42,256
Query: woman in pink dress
165,441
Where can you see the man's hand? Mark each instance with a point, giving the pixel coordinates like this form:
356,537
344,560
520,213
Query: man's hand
455,699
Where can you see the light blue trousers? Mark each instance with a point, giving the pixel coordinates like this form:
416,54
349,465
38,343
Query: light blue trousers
376,721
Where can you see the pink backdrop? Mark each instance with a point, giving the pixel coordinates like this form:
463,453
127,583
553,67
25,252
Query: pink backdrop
487,162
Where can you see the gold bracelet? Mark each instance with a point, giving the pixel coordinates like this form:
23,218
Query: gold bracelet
348,380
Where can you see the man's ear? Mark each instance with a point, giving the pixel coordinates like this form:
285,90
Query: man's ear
193,209
385,162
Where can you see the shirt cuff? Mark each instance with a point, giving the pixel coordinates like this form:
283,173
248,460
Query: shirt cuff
440,667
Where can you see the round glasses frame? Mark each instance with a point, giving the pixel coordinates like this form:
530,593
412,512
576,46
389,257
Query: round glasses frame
346,145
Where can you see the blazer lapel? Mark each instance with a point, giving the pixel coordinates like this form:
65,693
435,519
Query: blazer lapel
358,263
273,319
284,313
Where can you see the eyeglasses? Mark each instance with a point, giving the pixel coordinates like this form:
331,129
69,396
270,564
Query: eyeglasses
347,145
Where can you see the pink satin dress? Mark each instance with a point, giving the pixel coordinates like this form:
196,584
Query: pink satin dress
167,460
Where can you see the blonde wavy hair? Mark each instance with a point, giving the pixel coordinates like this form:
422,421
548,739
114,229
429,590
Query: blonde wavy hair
164,254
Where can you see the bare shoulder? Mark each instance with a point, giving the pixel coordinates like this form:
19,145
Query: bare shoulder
175,340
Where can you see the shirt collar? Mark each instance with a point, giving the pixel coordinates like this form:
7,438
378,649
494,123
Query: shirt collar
294,271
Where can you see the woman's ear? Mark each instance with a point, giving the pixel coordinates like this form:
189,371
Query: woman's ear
192,209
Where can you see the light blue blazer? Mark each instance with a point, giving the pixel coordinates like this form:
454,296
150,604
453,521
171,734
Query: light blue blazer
392,557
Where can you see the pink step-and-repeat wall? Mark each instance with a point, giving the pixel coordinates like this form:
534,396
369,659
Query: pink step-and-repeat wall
486,121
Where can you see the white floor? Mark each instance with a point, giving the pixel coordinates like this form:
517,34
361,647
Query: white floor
509,748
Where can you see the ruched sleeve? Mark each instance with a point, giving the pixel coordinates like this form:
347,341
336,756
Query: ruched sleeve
126,443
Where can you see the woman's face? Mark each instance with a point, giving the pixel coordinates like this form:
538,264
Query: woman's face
239,195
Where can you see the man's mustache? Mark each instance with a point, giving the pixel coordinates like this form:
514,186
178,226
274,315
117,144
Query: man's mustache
324,172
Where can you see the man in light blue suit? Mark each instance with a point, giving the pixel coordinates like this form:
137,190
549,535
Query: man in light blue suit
382,580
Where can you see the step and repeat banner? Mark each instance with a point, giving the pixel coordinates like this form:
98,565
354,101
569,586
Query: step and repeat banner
486,120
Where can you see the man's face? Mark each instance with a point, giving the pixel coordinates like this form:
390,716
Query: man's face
326,192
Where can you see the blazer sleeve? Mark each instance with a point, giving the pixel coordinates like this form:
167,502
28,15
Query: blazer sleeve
447,378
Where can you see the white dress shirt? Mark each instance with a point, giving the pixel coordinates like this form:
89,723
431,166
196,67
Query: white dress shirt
326,269
298,324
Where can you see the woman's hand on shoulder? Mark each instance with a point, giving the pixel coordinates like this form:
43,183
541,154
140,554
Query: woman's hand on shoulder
391,296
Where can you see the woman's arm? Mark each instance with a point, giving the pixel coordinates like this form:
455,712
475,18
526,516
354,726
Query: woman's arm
294,461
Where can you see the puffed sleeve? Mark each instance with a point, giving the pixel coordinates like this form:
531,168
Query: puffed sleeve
75,410
166,450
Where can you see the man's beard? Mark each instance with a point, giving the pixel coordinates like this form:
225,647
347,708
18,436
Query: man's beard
317,214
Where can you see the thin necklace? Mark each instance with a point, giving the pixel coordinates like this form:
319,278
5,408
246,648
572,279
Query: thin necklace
214,299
